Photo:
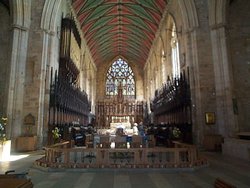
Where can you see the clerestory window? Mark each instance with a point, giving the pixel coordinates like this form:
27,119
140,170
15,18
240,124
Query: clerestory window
175,53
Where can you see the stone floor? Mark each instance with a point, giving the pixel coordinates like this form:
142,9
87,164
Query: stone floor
232,170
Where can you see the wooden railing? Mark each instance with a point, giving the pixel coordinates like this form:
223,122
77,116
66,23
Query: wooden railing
52,153
59,156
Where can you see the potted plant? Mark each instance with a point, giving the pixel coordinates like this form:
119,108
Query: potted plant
27,141
5,144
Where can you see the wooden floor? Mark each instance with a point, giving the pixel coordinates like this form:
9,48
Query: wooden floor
234,171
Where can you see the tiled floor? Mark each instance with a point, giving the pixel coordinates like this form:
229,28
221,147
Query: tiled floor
232,170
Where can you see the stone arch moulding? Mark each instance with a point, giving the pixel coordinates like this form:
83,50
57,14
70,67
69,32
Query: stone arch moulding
21,12
50,10
189,14
170,21
217,12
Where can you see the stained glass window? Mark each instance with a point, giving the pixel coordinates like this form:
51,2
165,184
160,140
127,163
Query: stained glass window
121,75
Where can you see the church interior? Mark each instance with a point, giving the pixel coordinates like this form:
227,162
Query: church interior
156,88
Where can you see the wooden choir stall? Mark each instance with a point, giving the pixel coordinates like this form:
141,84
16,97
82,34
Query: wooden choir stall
68,103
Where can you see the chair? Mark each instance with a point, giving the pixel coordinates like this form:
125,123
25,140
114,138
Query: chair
136,141
120,142
105,141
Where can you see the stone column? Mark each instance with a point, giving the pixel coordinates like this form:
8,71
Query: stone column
227,122
43,81
21,12
17,79
45,37
223,83
195,86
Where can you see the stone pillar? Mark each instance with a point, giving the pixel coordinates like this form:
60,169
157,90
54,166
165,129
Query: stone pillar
43,100
201,82
223,83
17,79
44,36
222,71
21,12
195,86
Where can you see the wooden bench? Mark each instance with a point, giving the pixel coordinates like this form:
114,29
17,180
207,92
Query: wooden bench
8,180
15,183
219,183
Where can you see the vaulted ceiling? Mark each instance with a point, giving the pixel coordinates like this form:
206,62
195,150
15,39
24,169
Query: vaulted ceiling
124,28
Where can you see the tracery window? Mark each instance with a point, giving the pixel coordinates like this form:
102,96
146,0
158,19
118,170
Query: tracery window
121,75
175,53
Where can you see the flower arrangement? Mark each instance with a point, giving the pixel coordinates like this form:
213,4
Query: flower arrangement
176,132
3,124
56,134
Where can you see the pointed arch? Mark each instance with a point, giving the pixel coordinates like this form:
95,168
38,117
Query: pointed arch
217,12
50,10
189,14
21,11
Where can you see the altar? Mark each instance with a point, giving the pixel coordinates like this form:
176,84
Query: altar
115,127
119,109
124,125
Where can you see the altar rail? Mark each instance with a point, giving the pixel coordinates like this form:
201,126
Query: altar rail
62,157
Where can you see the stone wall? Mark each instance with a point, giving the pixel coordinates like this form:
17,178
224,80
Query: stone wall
239,49
5,36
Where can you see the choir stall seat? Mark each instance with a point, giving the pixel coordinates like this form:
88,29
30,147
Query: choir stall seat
151,141
105,141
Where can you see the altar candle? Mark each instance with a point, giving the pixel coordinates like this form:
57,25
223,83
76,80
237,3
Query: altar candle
128,145
112,145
